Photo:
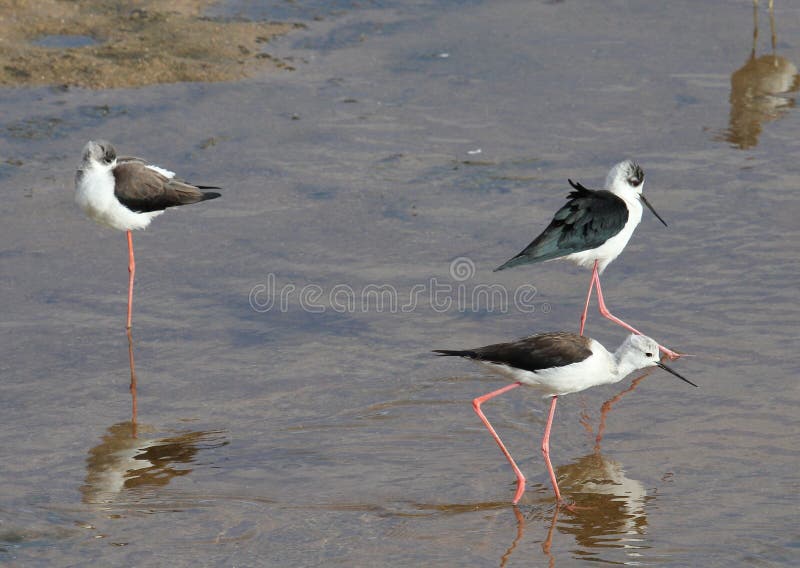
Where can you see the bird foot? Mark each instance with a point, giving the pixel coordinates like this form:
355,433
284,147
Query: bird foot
520,491
673,355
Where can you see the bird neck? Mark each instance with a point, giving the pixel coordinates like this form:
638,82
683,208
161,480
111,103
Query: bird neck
629,195
96,169
624,362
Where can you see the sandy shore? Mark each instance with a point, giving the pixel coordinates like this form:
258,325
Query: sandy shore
155,41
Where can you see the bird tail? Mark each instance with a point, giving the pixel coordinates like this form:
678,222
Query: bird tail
517,260
545,247
209,194
451,353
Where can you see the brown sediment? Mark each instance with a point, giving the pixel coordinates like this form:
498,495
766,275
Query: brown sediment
135,44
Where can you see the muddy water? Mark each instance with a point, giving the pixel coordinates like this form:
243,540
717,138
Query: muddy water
288,417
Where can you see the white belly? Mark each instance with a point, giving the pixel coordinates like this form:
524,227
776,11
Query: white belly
94,194
593,371
614,246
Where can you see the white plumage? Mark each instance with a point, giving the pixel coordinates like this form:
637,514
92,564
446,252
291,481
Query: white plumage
557,363
617,182
94,194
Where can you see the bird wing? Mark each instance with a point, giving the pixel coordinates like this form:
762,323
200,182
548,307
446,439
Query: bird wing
163,171
588,219
142,189
534,353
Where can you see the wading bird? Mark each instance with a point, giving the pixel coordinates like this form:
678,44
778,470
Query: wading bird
558,363
127,193
592,229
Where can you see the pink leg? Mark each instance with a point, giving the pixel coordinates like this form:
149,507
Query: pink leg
476,405
131,272
546,448
588,297
601,304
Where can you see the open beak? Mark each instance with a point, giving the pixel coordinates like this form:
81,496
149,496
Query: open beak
650,207
667,369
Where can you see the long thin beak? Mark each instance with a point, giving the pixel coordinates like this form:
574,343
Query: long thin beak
667,369
650,207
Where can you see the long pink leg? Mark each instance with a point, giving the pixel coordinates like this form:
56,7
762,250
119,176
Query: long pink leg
131,272
546,448
476,405
588,297
601,304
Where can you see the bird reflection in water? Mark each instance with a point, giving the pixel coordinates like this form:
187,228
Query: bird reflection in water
610,507
759,90
613,513
122,462
132,385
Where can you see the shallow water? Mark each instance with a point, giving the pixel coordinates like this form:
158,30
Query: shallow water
319,431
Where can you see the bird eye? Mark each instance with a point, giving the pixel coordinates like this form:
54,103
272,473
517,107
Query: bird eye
635,182
648,354
108,157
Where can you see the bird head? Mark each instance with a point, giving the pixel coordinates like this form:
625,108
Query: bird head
626,176
627,179
99,153
640,352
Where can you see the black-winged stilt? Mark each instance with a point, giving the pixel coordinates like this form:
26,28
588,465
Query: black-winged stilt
558,363
592,229
126,193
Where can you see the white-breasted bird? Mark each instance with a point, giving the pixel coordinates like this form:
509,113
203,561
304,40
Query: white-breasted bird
126,193
592,229
558,363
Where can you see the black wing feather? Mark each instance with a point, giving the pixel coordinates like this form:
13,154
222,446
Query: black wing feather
541,351
586,221
143,190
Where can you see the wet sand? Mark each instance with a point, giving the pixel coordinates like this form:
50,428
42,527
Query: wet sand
93,44
327,437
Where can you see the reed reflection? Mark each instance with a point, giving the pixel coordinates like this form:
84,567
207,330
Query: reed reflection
759,90
122,462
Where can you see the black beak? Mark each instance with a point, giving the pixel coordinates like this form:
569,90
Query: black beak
668,370
650,207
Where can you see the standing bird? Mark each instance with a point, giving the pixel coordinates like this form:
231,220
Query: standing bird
592,229
126,193
558,363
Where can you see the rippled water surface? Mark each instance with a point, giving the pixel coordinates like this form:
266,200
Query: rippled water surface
289,411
